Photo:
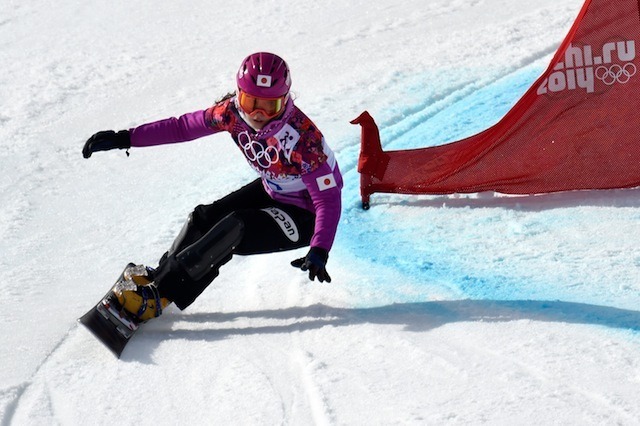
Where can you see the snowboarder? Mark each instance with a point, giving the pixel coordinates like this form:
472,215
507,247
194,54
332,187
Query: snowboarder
296,202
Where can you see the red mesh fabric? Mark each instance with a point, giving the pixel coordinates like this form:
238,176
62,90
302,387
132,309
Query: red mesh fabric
577,127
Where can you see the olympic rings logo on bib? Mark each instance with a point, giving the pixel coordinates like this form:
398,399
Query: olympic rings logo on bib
263,156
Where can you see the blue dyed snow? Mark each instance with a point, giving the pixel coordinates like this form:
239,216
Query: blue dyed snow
472,114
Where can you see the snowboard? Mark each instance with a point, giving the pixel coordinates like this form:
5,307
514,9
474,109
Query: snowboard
107,321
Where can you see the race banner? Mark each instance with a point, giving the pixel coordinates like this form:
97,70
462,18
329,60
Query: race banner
577,127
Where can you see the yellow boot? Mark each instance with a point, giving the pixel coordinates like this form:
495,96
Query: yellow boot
138,295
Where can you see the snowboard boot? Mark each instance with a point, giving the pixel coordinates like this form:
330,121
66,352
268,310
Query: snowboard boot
138,295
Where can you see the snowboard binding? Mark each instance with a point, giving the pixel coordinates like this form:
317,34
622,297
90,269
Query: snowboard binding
137,295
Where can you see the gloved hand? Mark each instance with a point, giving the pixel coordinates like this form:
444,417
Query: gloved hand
106,140
314,262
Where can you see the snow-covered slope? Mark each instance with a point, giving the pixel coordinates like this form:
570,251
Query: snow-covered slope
473,309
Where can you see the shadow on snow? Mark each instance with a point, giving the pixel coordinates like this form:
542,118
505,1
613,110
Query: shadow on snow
538,202
415,317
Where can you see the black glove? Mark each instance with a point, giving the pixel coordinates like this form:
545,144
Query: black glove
106,140
314,262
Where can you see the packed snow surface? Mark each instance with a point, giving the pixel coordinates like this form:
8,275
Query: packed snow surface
443,309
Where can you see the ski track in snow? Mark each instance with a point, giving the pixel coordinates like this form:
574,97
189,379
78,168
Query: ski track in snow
320,412
10,398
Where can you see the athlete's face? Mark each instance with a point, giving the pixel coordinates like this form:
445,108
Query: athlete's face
259,111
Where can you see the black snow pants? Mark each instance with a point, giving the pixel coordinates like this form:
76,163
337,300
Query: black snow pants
247,221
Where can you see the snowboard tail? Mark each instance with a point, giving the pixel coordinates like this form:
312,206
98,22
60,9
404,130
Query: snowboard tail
109,322
107,329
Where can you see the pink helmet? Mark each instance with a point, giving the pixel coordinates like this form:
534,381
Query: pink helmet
264,75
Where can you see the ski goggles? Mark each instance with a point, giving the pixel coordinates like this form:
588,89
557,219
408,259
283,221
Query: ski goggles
269,107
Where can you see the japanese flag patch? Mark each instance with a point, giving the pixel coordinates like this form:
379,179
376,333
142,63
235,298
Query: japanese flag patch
263,80
326,182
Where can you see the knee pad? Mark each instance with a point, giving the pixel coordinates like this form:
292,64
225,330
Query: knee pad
213,249
187,228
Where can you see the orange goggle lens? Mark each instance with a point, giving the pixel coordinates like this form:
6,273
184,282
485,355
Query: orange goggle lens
267,106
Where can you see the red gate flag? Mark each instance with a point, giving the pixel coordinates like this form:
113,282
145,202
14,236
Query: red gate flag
577,127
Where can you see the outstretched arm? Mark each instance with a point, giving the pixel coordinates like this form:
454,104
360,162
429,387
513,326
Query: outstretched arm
171,130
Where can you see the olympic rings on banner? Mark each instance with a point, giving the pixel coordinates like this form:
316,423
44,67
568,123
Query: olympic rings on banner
616,73
258,154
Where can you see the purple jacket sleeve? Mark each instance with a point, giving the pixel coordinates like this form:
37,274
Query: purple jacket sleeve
325,187
171,130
